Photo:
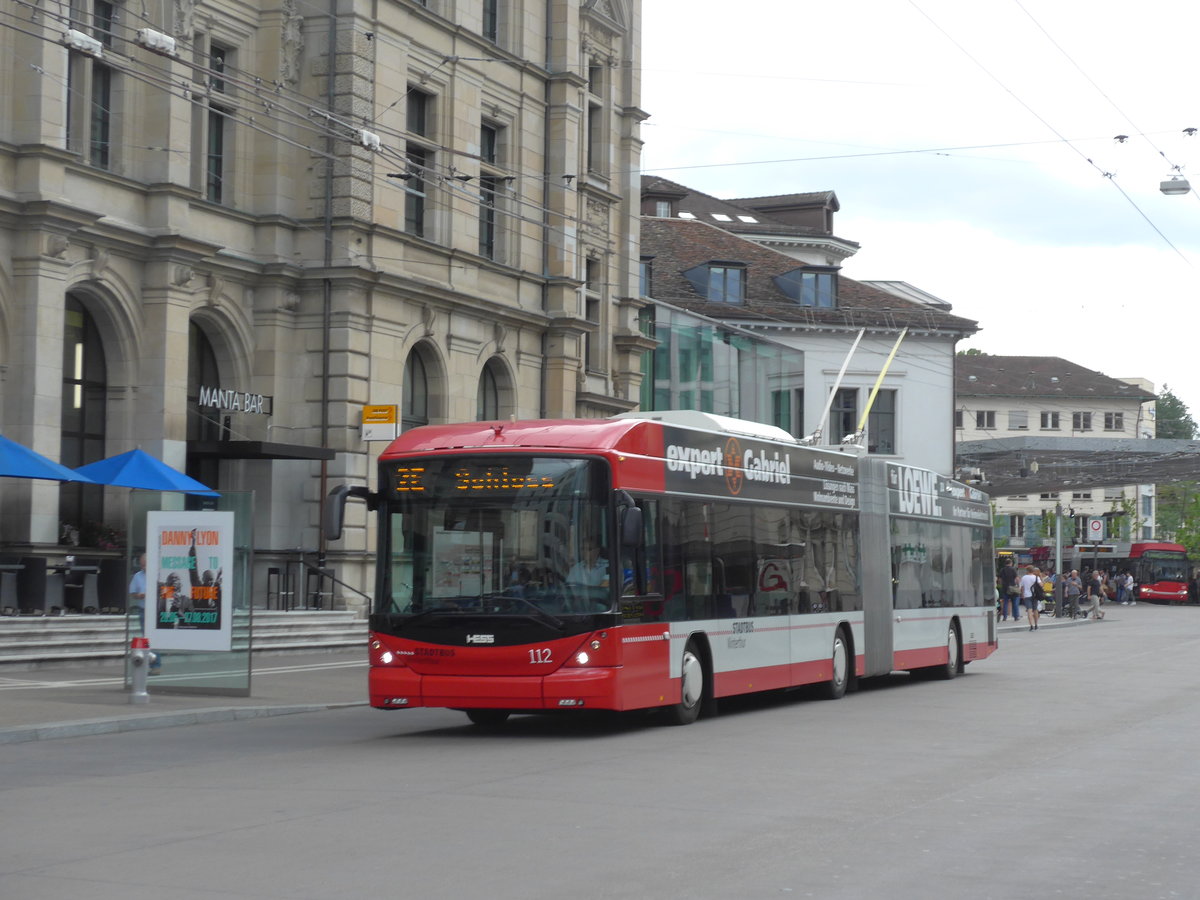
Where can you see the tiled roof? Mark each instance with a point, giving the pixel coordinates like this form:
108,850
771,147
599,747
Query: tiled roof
705,206
983,375
678,245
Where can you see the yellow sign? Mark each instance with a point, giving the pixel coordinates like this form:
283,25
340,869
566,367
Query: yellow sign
379,423
379,415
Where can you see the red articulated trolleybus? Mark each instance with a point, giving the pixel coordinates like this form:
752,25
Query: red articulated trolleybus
660,560
1161,571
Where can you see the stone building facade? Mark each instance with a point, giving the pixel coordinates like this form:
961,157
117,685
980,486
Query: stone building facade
201,205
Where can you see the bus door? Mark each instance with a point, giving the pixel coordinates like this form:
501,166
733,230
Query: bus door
877,583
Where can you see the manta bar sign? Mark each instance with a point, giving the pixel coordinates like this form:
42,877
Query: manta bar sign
233,401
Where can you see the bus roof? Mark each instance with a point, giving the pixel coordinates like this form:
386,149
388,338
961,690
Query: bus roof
551,434
627,433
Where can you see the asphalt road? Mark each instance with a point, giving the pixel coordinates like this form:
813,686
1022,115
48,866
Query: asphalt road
1064,766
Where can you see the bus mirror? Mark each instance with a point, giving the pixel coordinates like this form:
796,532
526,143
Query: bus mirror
335,507
631,526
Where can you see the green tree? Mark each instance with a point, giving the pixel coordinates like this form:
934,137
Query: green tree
1178,514
1188,533
1172,417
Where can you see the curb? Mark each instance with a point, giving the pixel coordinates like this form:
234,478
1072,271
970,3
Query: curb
89,727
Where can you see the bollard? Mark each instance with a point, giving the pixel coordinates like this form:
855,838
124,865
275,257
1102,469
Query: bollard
139,661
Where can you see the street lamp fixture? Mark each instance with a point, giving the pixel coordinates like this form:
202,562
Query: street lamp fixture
1176,185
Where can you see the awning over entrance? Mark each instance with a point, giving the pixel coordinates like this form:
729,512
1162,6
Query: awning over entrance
256,450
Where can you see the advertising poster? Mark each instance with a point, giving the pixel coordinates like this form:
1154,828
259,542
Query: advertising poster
189,600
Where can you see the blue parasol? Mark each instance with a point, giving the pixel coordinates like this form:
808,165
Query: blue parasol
18,461
138,469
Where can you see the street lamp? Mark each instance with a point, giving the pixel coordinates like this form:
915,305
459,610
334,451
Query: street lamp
1176,185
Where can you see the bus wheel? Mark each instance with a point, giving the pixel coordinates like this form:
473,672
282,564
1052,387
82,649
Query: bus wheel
487,718
691,678
953,655
835,687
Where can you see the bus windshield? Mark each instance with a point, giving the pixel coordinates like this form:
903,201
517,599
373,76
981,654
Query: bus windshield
523,536
1150,570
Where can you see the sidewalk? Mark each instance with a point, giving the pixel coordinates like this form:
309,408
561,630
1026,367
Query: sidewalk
1046,621
72,701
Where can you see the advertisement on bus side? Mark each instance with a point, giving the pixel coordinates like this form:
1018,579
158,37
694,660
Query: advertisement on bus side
736,466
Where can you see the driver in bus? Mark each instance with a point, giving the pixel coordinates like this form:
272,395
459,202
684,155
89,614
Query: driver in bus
591,570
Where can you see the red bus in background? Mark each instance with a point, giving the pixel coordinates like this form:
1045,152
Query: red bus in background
660,560
1161,571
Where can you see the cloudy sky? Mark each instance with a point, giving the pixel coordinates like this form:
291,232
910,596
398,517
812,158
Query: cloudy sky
972,146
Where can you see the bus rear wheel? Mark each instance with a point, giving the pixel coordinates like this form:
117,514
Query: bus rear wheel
839,679
691,688
487,718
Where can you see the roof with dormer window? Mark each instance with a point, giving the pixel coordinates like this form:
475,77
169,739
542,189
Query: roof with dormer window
680,245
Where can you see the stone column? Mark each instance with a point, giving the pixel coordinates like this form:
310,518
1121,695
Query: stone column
33,381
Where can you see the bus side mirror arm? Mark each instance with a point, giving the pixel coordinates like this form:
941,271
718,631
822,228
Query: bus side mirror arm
631,527
335,508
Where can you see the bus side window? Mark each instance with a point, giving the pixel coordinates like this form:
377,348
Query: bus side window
672,537
687,548
733,557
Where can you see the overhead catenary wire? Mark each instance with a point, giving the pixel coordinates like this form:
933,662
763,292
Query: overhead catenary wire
341,128
1109,176
1099,90
439,175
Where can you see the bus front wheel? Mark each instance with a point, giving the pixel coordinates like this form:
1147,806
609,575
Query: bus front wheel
835,687
691,688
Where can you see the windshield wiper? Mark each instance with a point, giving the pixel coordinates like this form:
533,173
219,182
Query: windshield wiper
448,610
538,612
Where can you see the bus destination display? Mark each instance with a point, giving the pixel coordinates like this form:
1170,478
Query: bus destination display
467,478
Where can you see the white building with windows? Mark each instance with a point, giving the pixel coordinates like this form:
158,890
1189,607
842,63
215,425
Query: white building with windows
999,397
770,268
426,204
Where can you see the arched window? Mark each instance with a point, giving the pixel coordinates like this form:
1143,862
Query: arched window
204,422
84,385
487,403
415,410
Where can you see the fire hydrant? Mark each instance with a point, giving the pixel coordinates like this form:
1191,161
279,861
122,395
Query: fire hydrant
139,662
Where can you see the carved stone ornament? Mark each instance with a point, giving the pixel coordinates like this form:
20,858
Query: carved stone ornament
428,316
56,246
182,275
216,287
597,214
291,42
100,258
290,301
185,19
604,11
602,8
500,333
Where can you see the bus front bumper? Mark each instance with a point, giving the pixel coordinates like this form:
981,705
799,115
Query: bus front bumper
395,687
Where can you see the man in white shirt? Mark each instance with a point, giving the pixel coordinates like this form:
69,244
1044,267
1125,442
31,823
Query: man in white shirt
1028,595
591,570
